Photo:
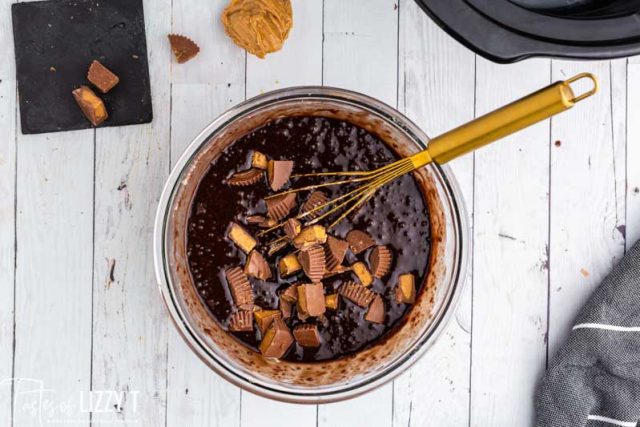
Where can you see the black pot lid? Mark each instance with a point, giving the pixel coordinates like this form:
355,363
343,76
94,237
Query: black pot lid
511,30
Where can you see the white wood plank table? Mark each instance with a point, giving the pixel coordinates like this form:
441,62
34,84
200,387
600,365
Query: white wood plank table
82,325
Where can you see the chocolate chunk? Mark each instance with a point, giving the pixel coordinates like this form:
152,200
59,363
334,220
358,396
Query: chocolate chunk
334,251
278,172
255,219
244,178
406,289
376,313
288,265
362,272
310,236
380,260
312,262
101,77
240,287
183,47
356,293
307,335
315,200
256,266
264,319
286,308
338,270
311,299
276,247
241,238
359,241
331,301
91,105
292,228
290,294
259,160
277,340
241,321
278,207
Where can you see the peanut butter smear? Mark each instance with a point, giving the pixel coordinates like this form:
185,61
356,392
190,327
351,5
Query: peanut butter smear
259,26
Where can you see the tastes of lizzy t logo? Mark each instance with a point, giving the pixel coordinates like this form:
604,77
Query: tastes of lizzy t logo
34,404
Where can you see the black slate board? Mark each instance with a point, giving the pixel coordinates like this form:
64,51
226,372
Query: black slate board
56,40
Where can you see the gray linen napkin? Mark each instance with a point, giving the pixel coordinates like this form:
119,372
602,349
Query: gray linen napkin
594,380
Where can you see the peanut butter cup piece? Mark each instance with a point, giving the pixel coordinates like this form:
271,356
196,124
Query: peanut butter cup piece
316,199
91,105
359,241
331,301
380,260
264,319
241,321
183,48
259,160
278,172
277,340
306,334
312,262
288,265
240,288
241,238
276,247
245,178
286,308
311,299
278,207
256,266
255,219
338,270
290,294
376,313
101,77
356,293
362,272
292,228
334,251
310,236
406,289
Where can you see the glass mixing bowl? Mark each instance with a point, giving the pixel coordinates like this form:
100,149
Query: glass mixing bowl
326,381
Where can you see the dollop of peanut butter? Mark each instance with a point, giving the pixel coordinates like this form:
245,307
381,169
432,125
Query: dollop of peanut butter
259,26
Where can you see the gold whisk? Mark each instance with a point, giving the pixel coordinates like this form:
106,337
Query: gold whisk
495,125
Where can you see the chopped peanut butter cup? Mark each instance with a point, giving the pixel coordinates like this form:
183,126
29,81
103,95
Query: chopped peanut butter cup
362,273
91,105
277,340
406,289
259,160
257,266
264,319
335,249
359,241
244,178
376,313
380,261
306,334
255,219
331,301
276,247
241,321
292,228
241,237
311,299
183,48
240,287
278,172
356,293
291,294
316,199
286,308
101,77
280,206
288,265
310,236
312,262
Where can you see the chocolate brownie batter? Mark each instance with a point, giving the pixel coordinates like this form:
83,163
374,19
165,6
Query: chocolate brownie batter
396,216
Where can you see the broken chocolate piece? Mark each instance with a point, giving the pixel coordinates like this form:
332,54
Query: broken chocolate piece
244,178
331,301
286,308
288,265
241,321
91,105
338,270
362,272
183,47
291,294
255,219
406,289
241,238
356,293
334,250
256,266
312,262
240,287
268,223
307,335
278,172
311,299
277,340
376,313
310,236
380,261
292,228
259,160
101,77
276,247
359,241
278,207
315,200
264,319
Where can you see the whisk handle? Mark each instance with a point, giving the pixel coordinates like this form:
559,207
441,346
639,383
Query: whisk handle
504,121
